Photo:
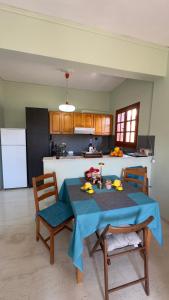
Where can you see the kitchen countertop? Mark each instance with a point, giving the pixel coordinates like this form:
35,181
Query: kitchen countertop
81,157
75,166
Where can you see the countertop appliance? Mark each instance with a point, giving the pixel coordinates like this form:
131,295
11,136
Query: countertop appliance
13,154
60,150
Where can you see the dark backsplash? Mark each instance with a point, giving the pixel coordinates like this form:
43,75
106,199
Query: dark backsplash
80,142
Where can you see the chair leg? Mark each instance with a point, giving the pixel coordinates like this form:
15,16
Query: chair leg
146,256
51,248
146,274
37,228
105,270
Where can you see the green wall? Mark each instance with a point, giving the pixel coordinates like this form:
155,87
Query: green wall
132,91
157,94
19,95
1,124
1,103
160,128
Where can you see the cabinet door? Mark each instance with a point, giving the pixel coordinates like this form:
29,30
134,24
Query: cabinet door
106,124
88,120
98,124
67,123
78,119
55,122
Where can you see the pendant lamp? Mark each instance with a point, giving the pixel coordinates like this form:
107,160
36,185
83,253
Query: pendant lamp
66,107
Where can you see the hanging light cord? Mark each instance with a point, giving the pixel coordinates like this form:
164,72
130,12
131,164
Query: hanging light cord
67,77
66,107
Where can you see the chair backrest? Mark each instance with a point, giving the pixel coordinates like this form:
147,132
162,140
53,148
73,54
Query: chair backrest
128,229
138,176
43,190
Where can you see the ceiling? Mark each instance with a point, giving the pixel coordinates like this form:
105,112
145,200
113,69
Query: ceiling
21,67
146,19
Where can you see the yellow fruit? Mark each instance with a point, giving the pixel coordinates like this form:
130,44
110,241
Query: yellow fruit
86,186
116,149
116,183
90,191
119,188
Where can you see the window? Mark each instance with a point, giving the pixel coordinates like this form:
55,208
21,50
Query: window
126,130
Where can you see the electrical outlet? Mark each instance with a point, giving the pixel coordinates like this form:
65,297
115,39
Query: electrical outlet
153,160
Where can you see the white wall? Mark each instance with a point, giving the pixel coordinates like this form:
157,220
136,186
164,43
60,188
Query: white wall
132,91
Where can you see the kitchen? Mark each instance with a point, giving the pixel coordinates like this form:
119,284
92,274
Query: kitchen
117,93
68,135
52,128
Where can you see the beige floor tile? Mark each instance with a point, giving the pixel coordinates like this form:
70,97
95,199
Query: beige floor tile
27,275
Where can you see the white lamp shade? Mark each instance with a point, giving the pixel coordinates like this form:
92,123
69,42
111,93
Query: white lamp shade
66,107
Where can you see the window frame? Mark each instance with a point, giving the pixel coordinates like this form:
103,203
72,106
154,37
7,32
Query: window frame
124,110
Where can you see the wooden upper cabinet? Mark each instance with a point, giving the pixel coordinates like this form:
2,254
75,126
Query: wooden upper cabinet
103,124
55,122
64,123
88,120
98,124
61,123
107,124
83,120
78,119
67,125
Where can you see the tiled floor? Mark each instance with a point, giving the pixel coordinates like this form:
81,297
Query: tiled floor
25,272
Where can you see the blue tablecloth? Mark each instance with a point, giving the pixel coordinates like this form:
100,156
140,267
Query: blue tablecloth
93,212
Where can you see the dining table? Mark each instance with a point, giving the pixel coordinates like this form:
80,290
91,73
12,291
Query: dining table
93,212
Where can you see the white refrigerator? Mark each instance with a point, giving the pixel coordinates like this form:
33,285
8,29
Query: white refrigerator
13,156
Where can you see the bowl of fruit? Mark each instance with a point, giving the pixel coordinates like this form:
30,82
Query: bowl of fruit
117,152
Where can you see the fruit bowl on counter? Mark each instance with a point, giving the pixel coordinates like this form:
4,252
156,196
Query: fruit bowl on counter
117,152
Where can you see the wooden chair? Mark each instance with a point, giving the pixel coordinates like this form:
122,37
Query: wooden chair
55,217
142,248
138,176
